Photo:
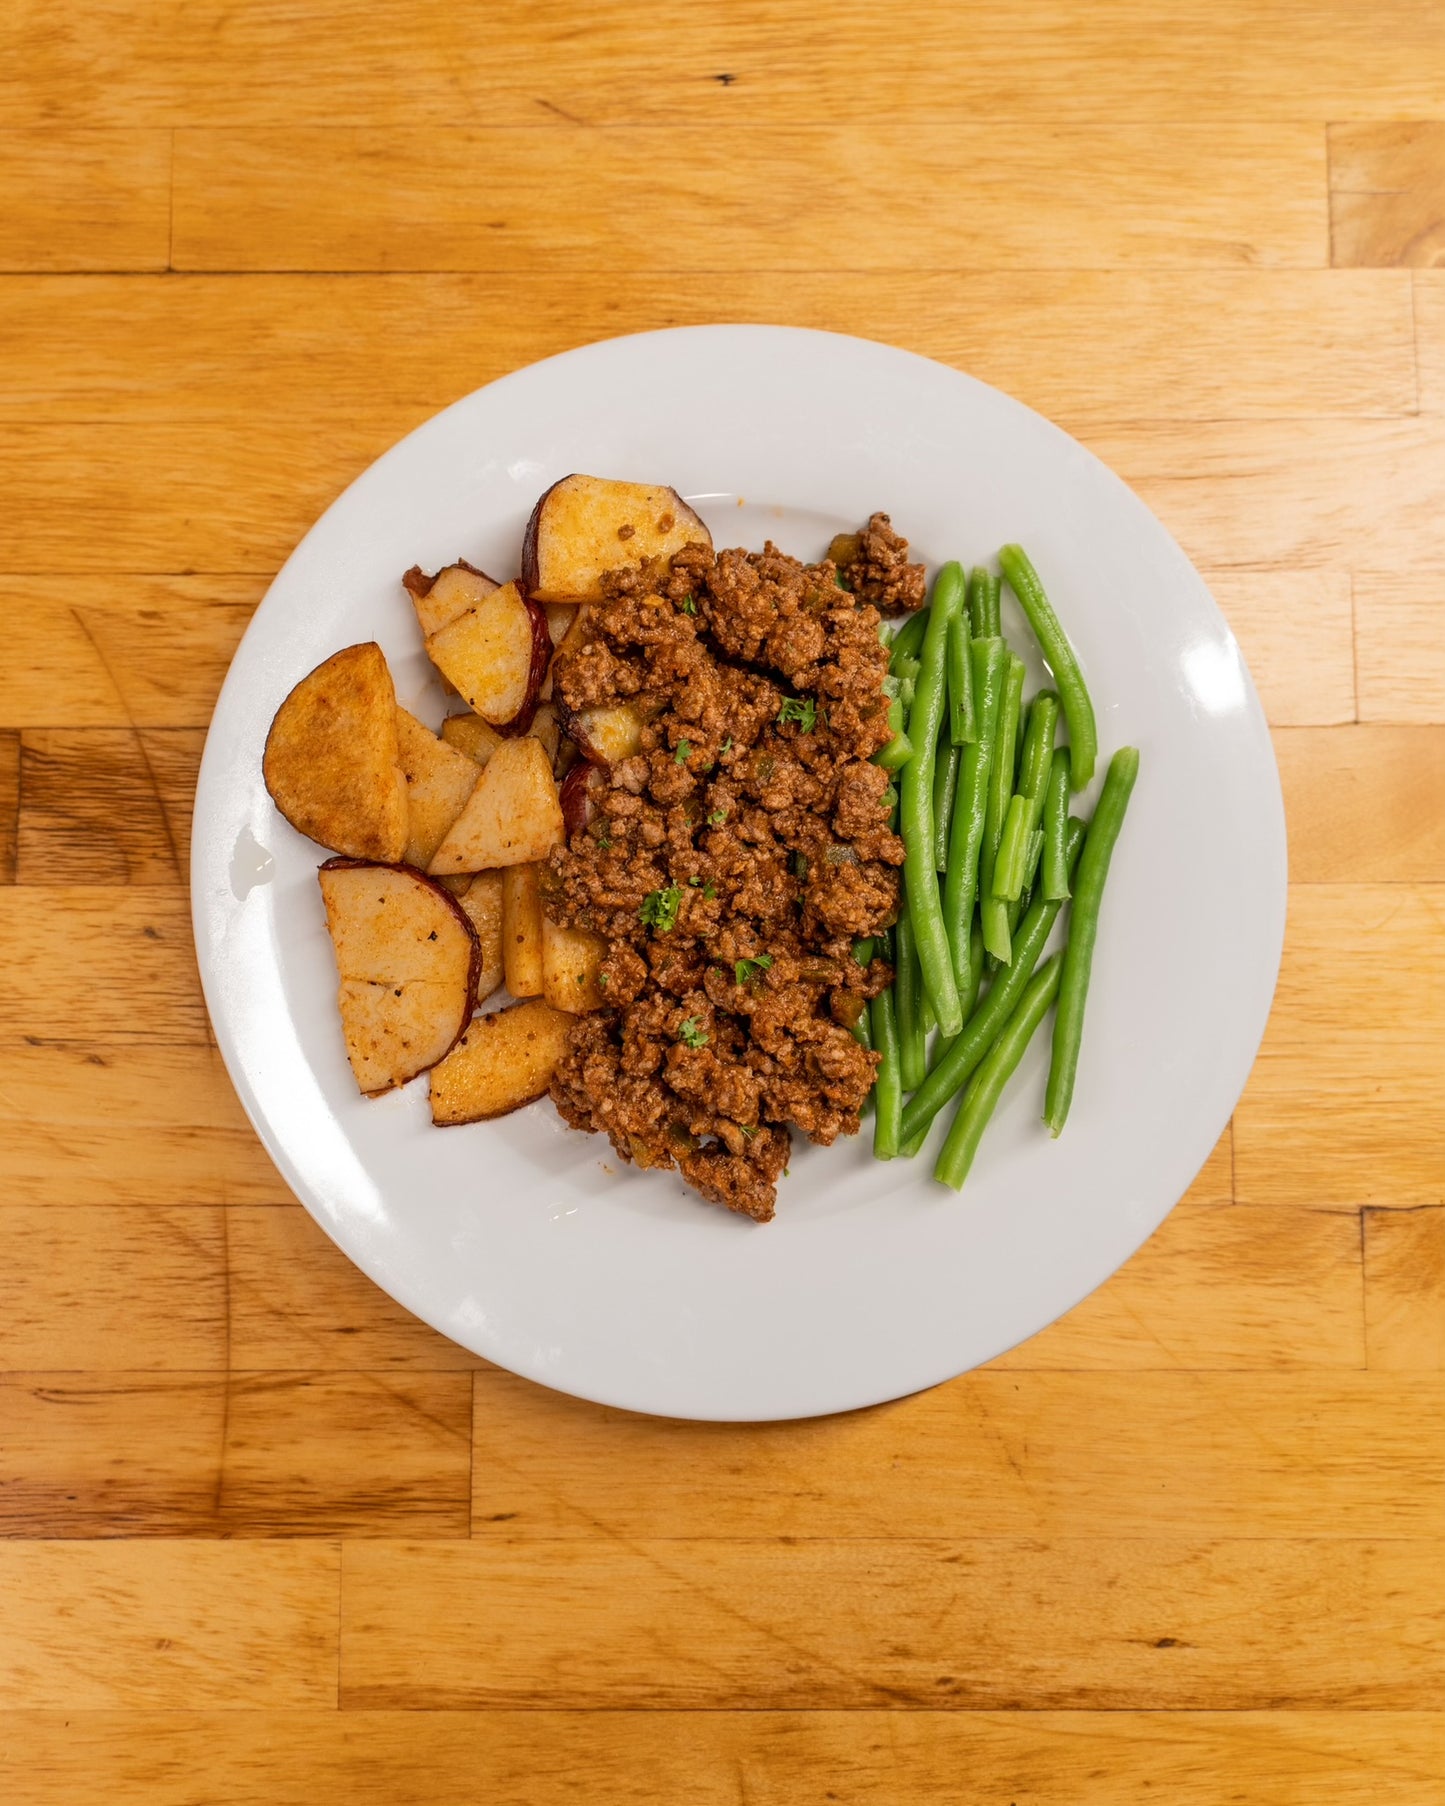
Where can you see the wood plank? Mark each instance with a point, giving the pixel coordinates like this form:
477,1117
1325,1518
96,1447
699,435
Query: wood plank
99,1124
85,200
1342,1106
96,1289
709,67
1428,290
546,1758
258,1455
1400,647
1296,631
1404,1284
1238,494
106,650
168,1626
1364,804
1196,344
67,954
298,1302
107,805
990,1623
476,198
1007,1454
1387,193
9,802
1347,493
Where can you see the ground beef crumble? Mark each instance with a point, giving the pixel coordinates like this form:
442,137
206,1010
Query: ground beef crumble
732,860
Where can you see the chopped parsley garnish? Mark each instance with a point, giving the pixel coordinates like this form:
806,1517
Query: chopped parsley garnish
692,1034
694,882
801,709
726,746
688,606
746,969
745,1131
604,840
717,817
659,908
684,747
709,890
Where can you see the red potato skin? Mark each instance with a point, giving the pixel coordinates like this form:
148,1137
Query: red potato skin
541,658
576,804
474,964
416,582
529,539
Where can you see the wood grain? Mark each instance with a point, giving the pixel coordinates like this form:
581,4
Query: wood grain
1177,344
515,61
102,650
85,200
168,1625
106,805
1400,647
9,802
994,1623
1364,804
253,1455
1387,193
298,1302
1427,291
1296,630
474,198
99,1289
153,1127
1340,1109
868,1758
1404,1286
67,953
1238,494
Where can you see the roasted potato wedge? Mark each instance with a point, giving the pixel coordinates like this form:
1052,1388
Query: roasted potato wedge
439,779
512,817
571,961
408,959
332,762
471,735
575,795
522,919
503,1061
583,526
547,728
439,600
482,900
495,656
608,733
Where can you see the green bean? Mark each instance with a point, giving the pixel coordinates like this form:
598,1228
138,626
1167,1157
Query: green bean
962,716
1031,866
964,1053
1026,808
899,749
887,1085
1083,932
968,986
945,786
1013,846
862,1031
908,1005
965,835
983,589
1056,817
925,908
993,912
908,639
987,1084
1073,691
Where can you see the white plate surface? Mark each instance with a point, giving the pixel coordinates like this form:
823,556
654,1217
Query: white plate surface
531,1244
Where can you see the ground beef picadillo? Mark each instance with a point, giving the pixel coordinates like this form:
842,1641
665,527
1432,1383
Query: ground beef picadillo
730,864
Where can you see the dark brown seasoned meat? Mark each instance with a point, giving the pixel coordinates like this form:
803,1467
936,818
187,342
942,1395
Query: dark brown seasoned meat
732,861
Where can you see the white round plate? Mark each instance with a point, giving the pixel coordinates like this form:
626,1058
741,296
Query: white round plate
532,1244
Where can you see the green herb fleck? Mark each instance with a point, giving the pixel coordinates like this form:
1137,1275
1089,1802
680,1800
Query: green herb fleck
688,606
604,840
659,908
684,747
801,709
717,817
726,746
692,1034
709,890
799,864
745,1131
747,969
694,882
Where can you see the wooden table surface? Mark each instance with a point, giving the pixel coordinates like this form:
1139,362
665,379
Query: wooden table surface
268,1539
